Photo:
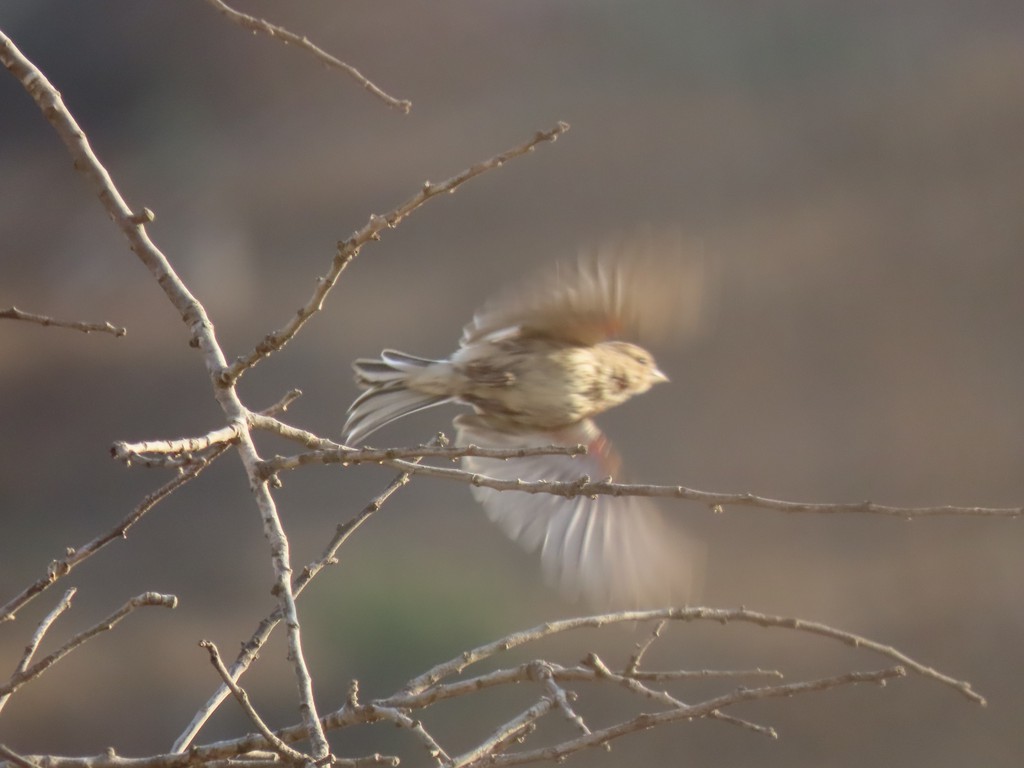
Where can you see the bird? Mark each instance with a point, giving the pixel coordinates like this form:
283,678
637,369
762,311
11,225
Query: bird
536,364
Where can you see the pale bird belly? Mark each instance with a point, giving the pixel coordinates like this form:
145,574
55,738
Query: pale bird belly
538,390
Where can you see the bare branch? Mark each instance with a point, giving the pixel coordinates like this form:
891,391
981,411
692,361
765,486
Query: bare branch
506,734
699,674
719,615
327,451
642,648
224,754
348,456
395,708
295,434
37,637
20,760
256,25
146,599
243,699
282,590
379,713
60,568
487,751
645,721
283,404
13,313
250,649
525,673
543,672
630,683
588,672
349,249
182,452
202,337
717,501
49,101
173,453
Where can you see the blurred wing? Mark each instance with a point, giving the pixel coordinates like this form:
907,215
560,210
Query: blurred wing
614,552
642,287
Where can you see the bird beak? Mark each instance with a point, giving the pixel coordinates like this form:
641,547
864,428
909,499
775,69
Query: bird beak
658,376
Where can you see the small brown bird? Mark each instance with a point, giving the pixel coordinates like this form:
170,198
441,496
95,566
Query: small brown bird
536,363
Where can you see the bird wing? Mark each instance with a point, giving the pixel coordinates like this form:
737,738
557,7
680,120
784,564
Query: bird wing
644,286
612,551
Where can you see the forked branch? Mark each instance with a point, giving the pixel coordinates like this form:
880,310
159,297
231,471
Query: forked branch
349,249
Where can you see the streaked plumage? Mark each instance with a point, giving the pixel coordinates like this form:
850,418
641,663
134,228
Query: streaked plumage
535,364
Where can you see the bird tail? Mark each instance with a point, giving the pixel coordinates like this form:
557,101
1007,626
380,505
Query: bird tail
387,396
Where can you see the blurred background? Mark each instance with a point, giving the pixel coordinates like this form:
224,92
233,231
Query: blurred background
855,169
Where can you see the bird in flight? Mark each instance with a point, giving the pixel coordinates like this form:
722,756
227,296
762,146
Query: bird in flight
536,364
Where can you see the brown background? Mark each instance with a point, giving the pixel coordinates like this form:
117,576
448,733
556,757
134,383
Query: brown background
856,170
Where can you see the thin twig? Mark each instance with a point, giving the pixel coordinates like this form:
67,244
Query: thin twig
295,434
527,672
349,249
325,451
60,568
393,710
37,637
203,337
524,673
700,674
50,103
271,761
562,698
593,662
184,451
246,752
507,733
250,649
349,456
584,486
13,313
719,615
256,25
402,720
631,677
242,697
487,752
283,404
146,599
642,722
634,661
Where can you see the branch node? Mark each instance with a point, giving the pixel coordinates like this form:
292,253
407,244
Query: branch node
145,216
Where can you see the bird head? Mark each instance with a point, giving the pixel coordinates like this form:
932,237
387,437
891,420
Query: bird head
632,366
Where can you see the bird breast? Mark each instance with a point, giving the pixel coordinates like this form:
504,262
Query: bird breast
530,383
